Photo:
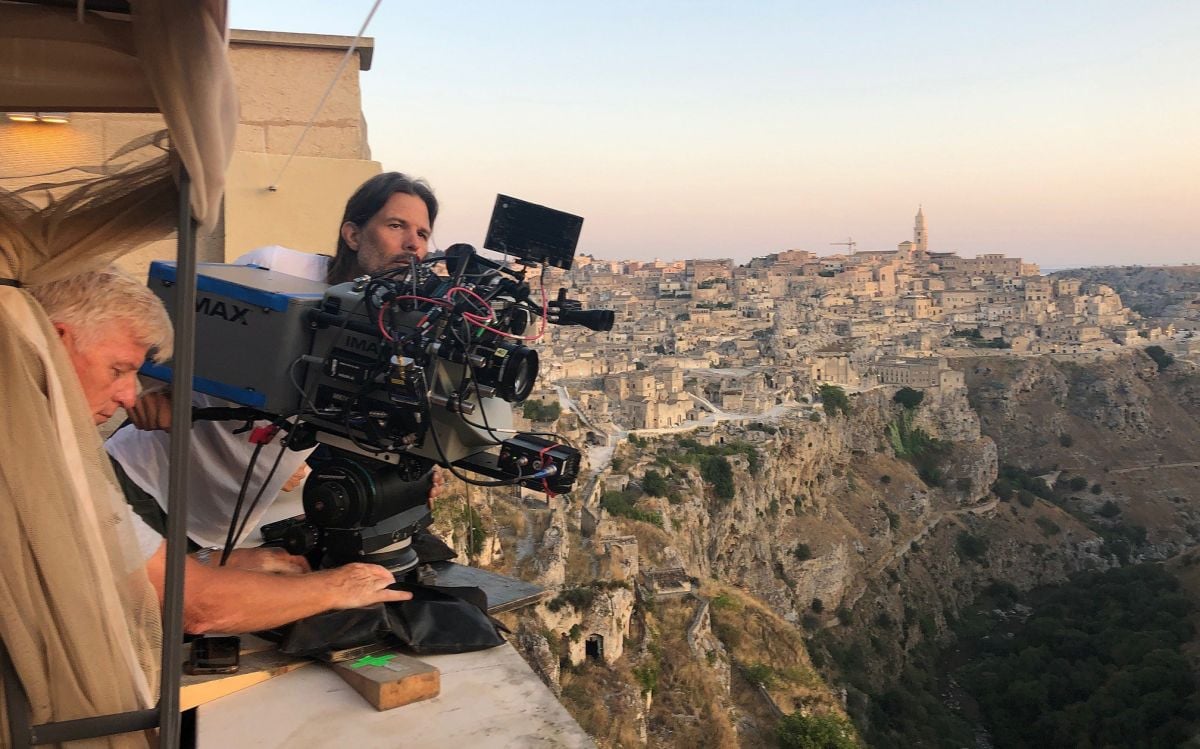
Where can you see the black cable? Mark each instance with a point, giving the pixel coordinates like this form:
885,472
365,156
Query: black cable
262,489
482,410
347,413
237,508
305,399
437,444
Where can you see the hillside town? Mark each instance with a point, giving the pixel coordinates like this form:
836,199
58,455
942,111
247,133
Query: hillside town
703,336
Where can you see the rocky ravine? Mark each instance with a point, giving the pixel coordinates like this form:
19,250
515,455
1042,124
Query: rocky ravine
837,534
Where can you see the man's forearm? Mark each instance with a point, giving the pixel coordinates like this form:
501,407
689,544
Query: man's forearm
224,599
232,600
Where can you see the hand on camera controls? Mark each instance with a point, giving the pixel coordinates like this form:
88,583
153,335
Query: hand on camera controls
356,585
267,559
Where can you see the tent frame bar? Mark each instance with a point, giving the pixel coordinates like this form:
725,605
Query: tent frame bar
179,457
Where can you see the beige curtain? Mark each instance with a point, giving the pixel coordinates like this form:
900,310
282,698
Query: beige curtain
77,614
172,59
182,45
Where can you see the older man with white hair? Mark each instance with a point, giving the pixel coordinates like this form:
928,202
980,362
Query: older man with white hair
108,322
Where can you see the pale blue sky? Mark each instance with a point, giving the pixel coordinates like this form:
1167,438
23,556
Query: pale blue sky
1067,134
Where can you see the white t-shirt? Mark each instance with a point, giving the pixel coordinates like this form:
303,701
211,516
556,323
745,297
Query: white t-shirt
219,457
148,539
291,262
218,466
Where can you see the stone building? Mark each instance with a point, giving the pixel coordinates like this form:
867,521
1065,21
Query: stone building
672,582
925,372
619,557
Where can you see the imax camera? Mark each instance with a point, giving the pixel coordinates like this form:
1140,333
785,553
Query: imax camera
393,373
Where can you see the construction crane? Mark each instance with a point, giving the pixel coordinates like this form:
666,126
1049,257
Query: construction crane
850,243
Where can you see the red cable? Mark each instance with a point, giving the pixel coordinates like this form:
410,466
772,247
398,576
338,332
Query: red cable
439,302
480,322
383,329
469,292
383,308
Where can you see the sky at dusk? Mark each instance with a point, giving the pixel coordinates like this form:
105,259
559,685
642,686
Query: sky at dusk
1067,133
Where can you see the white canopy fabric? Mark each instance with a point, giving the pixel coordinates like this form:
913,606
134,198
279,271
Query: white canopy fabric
171,58
77,614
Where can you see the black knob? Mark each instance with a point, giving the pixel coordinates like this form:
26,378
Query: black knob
300,539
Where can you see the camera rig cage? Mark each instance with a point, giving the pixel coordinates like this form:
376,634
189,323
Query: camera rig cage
415,366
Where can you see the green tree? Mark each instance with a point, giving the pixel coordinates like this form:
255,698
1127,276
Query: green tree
797,731
908,397
1160,357
970,546
715,469
623,505
1109,509
834,400
1097,663
476,535
654,484
759,673
538,411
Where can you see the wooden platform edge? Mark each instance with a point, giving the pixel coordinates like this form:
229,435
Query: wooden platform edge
255,669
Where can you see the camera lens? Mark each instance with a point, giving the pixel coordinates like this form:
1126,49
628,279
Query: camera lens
518,373
509,368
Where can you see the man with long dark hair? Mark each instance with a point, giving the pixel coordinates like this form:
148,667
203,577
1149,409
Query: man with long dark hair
388,219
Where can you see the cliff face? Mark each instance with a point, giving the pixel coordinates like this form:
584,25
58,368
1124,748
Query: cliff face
1130,430
872,552
1165,292
829,505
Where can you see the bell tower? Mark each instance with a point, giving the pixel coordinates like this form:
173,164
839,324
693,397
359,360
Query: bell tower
920,236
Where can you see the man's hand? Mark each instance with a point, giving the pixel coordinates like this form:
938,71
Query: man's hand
356,585
151,411
267,559
439,483
297,478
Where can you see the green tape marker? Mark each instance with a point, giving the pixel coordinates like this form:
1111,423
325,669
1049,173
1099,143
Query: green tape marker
373,660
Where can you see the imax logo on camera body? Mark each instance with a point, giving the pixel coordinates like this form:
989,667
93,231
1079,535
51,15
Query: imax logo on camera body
227,312
361,345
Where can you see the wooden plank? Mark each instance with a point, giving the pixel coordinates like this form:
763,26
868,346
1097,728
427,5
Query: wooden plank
259,661
389,680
